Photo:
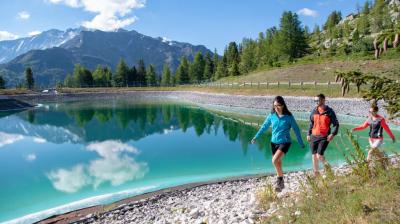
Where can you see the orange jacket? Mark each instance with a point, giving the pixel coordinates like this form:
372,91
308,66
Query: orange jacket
321,121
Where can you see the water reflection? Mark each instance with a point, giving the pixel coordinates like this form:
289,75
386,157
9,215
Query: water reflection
114,166
6,139
126,121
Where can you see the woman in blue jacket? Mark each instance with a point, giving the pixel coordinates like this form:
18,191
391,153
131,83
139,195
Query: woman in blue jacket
281,120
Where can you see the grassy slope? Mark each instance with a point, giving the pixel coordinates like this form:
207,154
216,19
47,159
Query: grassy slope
322,71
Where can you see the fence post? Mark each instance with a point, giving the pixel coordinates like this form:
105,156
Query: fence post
278,84
315,84
267,85
251,84
289,84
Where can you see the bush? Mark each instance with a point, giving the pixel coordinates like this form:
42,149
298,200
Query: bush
363,46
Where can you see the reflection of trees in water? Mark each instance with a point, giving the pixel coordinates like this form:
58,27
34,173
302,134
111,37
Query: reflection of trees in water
167,115
82,116
31,116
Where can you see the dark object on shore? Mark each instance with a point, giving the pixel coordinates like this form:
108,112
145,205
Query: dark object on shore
7,104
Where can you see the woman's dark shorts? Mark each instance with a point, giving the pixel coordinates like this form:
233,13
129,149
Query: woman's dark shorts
318,144
284,147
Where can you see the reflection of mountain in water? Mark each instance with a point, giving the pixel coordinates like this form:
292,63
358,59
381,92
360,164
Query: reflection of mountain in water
120,120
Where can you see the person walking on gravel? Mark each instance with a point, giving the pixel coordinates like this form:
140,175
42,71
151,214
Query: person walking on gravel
320,134
376,124
281,121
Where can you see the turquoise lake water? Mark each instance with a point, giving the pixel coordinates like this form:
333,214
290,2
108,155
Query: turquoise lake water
60,157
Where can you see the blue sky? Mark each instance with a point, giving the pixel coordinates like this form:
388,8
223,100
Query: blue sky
213,23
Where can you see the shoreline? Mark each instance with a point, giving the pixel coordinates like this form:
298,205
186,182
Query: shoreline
346,106
354,107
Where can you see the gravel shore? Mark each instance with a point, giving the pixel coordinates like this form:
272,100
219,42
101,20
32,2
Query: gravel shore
224,202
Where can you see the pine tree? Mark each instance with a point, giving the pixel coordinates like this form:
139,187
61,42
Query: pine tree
30,81
234,69
248,56
87,77
121,74
377,13
363,24
366,9
293,40
196,69
215,62
69,81
222,70
132,76
208,67
2,83
141,73
232,57
330,24
99,76
151,76
166,76
182,73
109,76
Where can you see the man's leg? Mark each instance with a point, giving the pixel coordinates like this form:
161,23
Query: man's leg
315,164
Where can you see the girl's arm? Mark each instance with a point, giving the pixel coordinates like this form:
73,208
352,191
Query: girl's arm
264,127
361,127
297,131
387,129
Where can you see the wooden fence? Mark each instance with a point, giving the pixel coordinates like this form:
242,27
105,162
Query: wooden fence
267,84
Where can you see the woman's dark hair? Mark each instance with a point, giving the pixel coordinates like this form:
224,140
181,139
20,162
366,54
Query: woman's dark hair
375,108
281,101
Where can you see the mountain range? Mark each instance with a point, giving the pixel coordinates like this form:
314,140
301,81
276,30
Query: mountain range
52,54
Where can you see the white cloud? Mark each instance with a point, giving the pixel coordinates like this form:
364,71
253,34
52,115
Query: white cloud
111,14
6,139
24,15
307,12
30,157
4,35
35,32
69,180
114,166
70,3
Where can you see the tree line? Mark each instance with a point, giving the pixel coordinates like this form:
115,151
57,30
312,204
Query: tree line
29,80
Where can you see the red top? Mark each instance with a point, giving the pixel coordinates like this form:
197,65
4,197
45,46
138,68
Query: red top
375,127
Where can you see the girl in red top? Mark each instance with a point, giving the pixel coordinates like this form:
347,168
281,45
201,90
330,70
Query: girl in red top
376,124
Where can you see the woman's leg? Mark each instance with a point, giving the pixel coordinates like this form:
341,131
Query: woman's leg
277,161
370,152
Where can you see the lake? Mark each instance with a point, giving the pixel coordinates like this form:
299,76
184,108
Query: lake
59,157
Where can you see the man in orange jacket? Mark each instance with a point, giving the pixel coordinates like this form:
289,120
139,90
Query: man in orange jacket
319,132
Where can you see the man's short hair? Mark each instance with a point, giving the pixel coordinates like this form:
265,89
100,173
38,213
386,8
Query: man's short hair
321,96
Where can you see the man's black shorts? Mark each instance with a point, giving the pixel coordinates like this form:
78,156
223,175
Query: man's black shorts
318,144
284,147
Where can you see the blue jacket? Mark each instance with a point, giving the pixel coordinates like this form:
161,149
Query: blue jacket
280,128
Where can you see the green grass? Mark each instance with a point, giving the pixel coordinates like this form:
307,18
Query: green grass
367,194
321,69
